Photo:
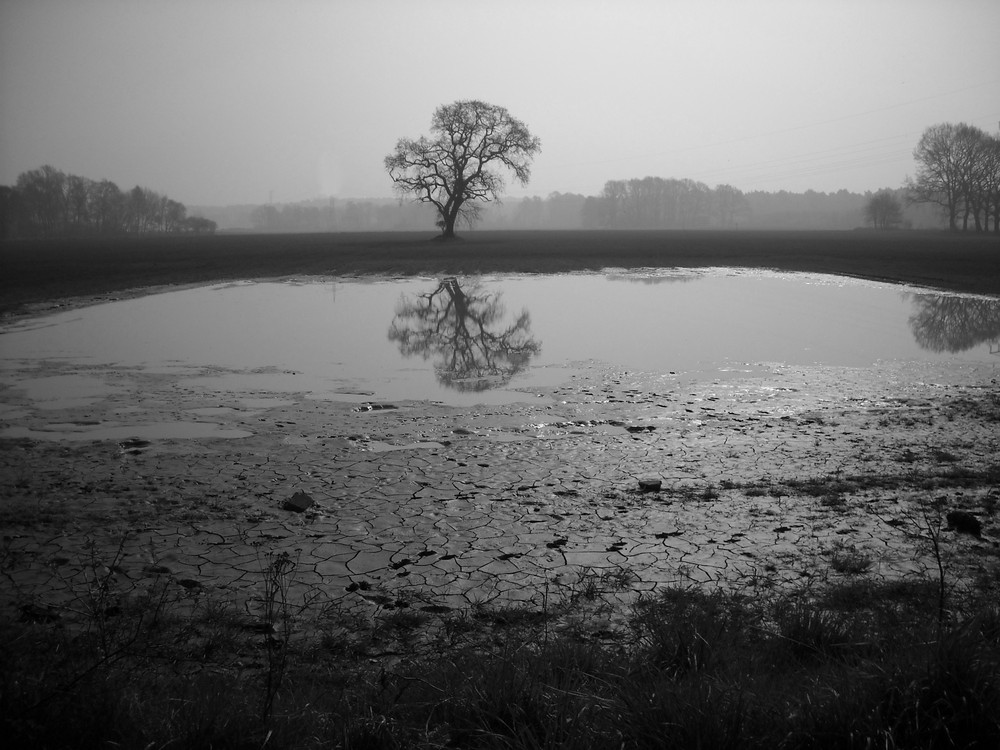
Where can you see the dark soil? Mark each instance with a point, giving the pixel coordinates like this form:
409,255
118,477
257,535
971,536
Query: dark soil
45,270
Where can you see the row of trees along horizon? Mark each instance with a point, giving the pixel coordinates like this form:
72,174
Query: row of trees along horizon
683,204
956,186
46,202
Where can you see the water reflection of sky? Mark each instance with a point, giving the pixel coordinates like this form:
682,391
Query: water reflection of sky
382,340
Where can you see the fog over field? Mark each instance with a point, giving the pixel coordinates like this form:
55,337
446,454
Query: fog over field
230,101
663,454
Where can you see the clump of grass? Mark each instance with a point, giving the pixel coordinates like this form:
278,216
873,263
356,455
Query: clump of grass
682,630
942,455
709,493
812,632
704,494
619,578
991,502
592,585
859,663
511,615
833,500
403,620
825,486
848,560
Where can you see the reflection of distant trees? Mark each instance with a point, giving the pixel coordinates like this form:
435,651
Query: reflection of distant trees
650,279
944,323
463,329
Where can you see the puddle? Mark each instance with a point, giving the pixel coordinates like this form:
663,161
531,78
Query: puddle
265,403
155,431
213,411
491,340
63,391
377,446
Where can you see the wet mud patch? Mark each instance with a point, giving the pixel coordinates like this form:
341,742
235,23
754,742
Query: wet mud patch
791,474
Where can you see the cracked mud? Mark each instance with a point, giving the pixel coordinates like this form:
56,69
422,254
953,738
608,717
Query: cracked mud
764,480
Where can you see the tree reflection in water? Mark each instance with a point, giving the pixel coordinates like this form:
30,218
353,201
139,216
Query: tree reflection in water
463,329
945,323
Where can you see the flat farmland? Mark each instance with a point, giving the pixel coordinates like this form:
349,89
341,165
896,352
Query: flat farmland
765,552
36,271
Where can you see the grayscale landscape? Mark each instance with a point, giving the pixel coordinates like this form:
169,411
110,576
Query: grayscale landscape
510,375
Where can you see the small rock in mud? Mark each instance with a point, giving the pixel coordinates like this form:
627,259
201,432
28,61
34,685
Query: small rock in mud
964,523
299,502
372,406
650,484
133,445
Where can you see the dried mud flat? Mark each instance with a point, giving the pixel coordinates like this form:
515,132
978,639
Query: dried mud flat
769,477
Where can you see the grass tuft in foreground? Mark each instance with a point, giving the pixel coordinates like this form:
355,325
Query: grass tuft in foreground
857,664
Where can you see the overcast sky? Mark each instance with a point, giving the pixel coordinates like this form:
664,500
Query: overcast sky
241,101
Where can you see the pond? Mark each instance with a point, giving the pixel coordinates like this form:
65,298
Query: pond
489,340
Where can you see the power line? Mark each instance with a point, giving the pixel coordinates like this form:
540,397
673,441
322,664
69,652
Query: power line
782,131
825,161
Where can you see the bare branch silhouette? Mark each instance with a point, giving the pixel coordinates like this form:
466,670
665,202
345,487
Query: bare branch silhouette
463,329
947,323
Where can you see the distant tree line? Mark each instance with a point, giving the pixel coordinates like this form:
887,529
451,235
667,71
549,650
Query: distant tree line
958,169
658,203
698,207
331,215
46,202
693,205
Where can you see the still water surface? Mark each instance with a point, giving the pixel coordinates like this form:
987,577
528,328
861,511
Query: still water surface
474,340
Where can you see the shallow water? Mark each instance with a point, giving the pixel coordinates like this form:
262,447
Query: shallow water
491,339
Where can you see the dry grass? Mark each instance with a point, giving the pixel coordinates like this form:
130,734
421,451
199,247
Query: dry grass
861,663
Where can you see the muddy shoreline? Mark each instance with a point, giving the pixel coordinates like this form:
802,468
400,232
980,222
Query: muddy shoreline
767,481
771,478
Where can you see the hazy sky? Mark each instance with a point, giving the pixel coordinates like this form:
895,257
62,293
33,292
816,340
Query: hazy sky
236,101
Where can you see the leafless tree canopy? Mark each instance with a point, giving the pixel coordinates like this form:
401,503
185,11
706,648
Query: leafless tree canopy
948,323
883,210
958,168
463,329
46,202
471,144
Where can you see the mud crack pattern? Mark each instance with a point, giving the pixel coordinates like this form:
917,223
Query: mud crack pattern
764,481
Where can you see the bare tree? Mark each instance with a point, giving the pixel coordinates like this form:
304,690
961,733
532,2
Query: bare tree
950,323
77,208
938,177
457,166
106,207
463,328
989,185
42,195
971,147
958,168
884,210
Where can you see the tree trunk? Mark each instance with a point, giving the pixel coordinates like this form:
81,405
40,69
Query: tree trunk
448,220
